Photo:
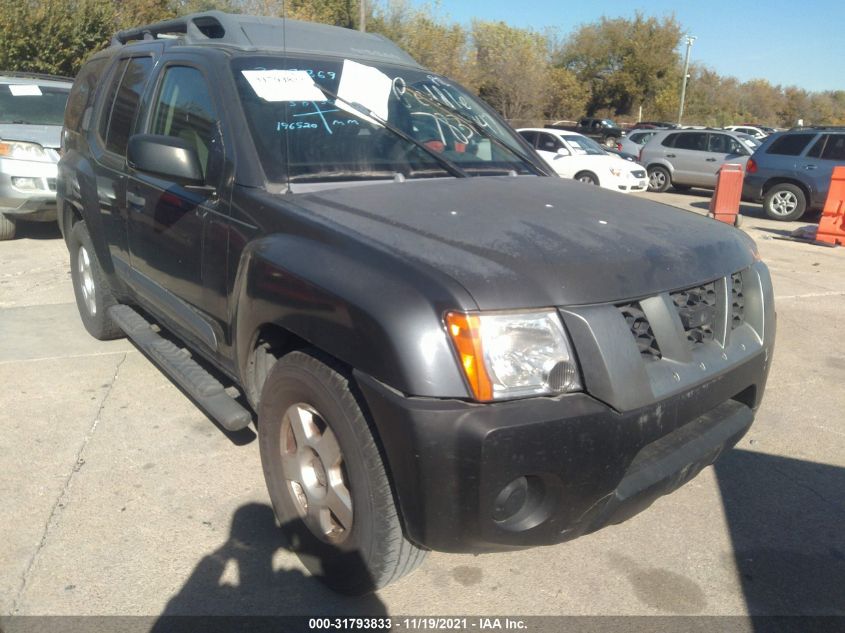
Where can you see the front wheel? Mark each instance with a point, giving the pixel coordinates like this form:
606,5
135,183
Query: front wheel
326,477
785,202
658,179
93,295
587,178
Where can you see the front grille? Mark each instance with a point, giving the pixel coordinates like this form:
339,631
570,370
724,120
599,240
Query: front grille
697,309
640,329
640,173
737,301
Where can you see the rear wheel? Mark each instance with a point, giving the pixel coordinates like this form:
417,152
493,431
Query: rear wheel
587,178
7,228
326,477
785,202
93,295
658,179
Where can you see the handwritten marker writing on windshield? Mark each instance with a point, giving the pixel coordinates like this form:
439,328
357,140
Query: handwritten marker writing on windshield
602,221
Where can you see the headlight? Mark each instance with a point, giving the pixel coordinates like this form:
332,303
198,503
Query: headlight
616,172
18,150
507,355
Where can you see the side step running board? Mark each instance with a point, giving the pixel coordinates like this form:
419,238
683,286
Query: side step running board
175,362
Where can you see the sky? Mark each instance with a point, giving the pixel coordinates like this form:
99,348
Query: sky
798,43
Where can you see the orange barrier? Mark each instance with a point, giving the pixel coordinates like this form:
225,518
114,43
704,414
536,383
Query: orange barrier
832,223
724,205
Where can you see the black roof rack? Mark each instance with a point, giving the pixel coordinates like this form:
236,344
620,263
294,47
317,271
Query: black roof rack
44,76
273,34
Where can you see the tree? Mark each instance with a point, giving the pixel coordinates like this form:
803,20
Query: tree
511,68
624,62
566,97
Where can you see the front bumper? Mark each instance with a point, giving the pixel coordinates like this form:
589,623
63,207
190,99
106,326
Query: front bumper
588,460
38,203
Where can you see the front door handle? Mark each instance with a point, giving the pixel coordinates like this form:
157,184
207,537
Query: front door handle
809,166
670,156
710,160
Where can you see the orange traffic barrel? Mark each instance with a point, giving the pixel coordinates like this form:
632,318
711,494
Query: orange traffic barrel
832,223
724,205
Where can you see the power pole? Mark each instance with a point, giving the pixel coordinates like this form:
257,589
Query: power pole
690,40
362,15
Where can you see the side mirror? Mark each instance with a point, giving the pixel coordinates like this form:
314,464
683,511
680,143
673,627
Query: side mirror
167,157
562,151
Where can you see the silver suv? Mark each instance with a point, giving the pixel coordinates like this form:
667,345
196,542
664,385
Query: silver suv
690,158
31,112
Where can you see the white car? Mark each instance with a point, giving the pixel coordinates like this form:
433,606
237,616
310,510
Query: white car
573,155
756,132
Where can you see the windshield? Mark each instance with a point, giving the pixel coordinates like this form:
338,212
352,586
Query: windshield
582,145
609,123
32,104
305,135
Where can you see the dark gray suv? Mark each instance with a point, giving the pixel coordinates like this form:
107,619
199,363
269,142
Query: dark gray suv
790,172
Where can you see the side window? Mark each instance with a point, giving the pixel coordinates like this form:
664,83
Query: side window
548,143
108,102
184,109
835,148
790,144
718,143
816,149
670,139
584,122
530,137
81,96
126,103
692,140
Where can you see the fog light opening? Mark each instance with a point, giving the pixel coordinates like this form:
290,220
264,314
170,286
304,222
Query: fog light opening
521,504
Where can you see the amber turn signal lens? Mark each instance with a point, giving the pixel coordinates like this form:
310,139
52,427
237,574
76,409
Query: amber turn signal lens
465,332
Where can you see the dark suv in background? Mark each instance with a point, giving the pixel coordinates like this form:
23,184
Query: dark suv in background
790,172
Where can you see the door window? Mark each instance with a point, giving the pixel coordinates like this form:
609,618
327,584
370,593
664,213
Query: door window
548,143
531,137
835,148
724,144
184,109
696,141
126,102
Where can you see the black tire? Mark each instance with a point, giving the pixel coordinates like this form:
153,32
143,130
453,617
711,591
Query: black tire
7,228
586,177
659,179
785,202
362,548
93,295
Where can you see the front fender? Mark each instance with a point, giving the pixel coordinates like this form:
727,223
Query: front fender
377,314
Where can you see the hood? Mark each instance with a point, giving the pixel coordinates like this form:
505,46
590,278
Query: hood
537,242
45,135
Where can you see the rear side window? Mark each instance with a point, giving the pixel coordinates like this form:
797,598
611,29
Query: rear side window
669,141
790,144
548,143
531,137
82,94
126,100
835,148
816,149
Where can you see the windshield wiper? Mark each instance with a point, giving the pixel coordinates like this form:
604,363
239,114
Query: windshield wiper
447,164
479,130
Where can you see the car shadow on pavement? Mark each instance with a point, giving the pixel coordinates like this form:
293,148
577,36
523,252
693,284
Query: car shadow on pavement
239,580
786,519
37,230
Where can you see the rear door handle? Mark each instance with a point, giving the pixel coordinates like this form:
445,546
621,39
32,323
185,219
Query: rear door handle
710,160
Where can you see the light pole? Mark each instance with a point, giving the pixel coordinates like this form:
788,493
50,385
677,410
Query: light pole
362,15
690,40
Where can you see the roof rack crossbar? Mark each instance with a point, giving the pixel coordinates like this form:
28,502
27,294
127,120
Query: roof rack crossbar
196,27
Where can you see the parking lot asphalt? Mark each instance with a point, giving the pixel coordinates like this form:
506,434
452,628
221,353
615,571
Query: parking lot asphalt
121,497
